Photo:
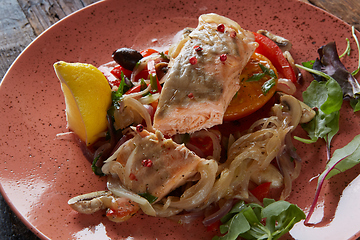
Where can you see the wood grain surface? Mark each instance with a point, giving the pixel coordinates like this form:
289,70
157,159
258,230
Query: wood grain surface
21,21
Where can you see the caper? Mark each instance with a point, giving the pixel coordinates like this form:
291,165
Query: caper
127,57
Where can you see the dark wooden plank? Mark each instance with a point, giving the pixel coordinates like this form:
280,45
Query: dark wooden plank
347,10
41,14
20,23
16,33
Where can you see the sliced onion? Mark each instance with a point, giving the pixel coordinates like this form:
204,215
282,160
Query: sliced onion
195,195
215,139
139,108
196,150
218,214
149,98
286,86
187,218
115,187
138,94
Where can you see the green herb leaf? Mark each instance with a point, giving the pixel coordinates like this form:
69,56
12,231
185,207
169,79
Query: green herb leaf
327,98
143,84
347,50
153,83
265,88
355,104
116,96
245,220
342,160
148,197
255,77
237,225
164,56
266,72
97,170
308,64
358,47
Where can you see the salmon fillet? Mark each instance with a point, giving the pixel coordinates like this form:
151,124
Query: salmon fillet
204,76
155,165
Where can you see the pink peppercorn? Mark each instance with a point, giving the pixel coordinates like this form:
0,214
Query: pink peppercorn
147,163
191,95
221,28
223,57
193,60
139,128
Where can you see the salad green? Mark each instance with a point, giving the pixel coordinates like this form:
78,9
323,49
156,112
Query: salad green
253,221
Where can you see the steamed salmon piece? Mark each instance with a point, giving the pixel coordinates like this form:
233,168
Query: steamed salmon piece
155,165
204,76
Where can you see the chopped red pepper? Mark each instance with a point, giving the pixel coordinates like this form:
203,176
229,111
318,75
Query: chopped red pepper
261,191
132,177
198,48
116,71
270,50
135,89
142,74
148,52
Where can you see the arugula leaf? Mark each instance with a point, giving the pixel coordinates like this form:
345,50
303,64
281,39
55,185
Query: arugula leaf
282,216
246,220
342,160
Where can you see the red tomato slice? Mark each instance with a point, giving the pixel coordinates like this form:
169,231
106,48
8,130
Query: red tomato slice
142,74
261,191
270,50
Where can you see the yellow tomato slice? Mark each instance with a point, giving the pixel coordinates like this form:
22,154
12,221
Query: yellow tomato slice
251,97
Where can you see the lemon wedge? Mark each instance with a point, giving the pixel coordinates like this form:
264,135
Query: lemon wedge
87,98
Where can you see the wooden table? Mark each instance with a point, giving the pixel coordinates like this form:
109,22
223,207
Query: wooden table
21,21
